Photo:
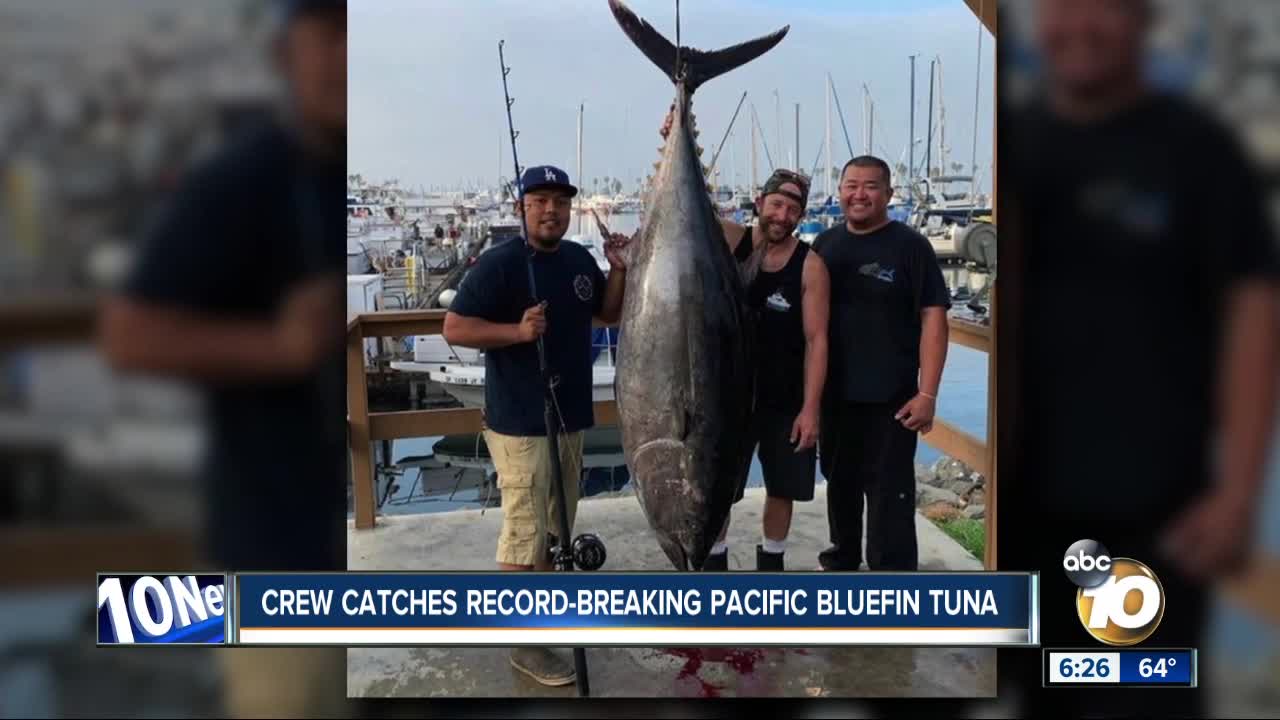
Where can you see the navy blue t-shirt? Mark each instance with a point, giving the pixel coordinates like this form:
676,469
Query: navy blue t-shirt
497,290
244,228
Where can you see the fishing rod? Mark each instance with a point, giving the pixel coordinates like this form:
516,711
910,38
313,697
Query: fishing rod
588,549
711,168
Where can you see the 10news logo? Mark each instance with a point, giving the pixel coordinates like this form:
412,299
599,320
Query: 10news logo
140,609
1119,601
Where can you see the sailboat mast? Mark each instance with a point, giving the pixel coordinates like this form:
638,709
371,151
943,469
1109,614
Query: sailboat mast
866,123
828,140
942,123
928,146
754,175
581,107
911,129
733,162
797,153
777,130
977,89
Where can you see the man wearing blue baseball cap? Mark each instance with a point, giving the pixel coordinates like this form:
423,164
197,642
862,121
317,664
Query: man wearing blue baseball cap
238,290
496,310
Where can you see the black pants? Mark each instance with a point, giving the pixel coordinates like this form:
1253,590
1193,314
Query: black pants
864,451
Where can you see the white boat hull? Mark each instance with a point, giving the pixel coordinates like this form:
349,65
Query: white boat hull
466,382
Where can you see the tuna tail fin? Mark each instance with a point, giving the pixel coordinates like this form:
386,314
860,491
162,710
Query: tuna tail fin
699,66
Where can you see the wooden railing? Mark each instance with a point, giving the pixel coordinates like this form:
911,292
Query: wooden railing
367,427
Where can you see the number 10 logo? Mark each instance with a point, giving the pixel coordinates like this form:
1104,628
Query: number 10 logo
1125,609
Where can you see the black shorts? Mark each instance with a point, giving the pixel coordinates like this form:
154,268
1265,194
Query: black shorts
787,473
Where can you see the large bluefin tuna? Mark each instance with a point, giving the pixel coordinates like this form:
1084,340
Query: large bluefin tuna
684,375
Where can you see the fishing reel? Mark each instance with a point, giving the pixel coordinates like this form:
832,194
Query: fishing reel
586,553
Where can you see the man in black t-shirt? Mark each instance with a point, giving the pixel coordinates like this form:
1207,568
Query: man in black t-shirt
231,292
887,345
1143,425
244,298
497,311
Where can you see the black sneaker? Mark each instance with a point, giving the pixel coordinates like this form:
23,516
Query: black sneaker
767,561
716,562
831,560
542,665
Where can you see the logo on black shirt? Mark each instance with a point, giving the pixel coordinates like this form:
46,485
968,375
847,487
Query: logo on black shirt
874,270
1143,212
777,302
583,287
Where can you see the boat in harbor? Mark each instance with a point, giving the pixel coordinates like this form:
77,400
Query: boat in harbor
459,471
466,382
460,371
601,448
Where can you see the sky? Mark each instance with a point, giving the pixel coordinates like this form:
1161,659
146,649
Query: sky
426,104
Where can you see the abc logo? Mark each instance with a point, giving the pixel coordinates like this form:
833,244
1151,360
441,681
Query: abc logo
1120,600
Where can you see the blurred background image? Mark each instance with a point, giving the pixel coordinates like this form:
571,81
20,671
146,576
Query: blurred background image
123,171
106,105
1140,296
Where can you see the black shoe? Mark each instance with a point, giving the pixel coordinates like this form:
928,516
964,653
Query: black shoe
542,665
831,560
767,561
716,562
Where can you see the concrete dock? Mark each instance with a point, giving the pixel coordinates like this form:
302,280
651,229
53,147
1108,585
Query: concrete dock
466,540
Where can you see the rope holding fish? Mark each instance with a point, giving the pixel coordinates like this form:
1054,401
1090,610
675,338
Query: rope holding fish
679,70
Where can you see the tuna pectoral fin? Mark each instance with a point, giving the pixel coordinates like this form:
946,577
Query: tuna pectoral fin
668,498
700,66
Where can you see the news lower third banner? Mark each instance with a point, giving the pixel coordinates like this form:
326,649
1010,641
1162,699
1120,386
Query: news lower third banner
584,609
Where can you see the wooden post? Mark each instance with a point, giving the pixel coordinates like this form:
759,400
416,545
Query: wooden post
358,423
991,559
989,555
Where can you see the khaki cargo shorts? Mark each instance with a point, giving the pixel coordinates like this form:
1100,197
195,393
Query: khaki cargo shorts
529,509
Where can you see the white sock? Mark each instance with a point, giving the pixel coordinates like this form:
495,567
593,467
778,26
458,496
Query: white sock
775,547
719,548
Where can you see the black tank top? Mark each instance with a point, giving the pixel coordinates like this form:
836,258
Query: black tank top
775,299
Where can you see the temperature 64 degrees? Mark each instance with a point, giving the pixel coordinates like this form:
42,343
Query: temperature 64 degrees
1159,667
1156,666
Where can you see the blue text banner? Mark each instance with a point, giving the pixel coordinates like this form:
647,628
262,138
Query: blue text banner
637,609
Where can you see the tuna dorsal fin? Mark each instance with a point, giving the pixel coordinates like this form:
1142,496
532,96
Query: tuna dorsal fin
699,65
